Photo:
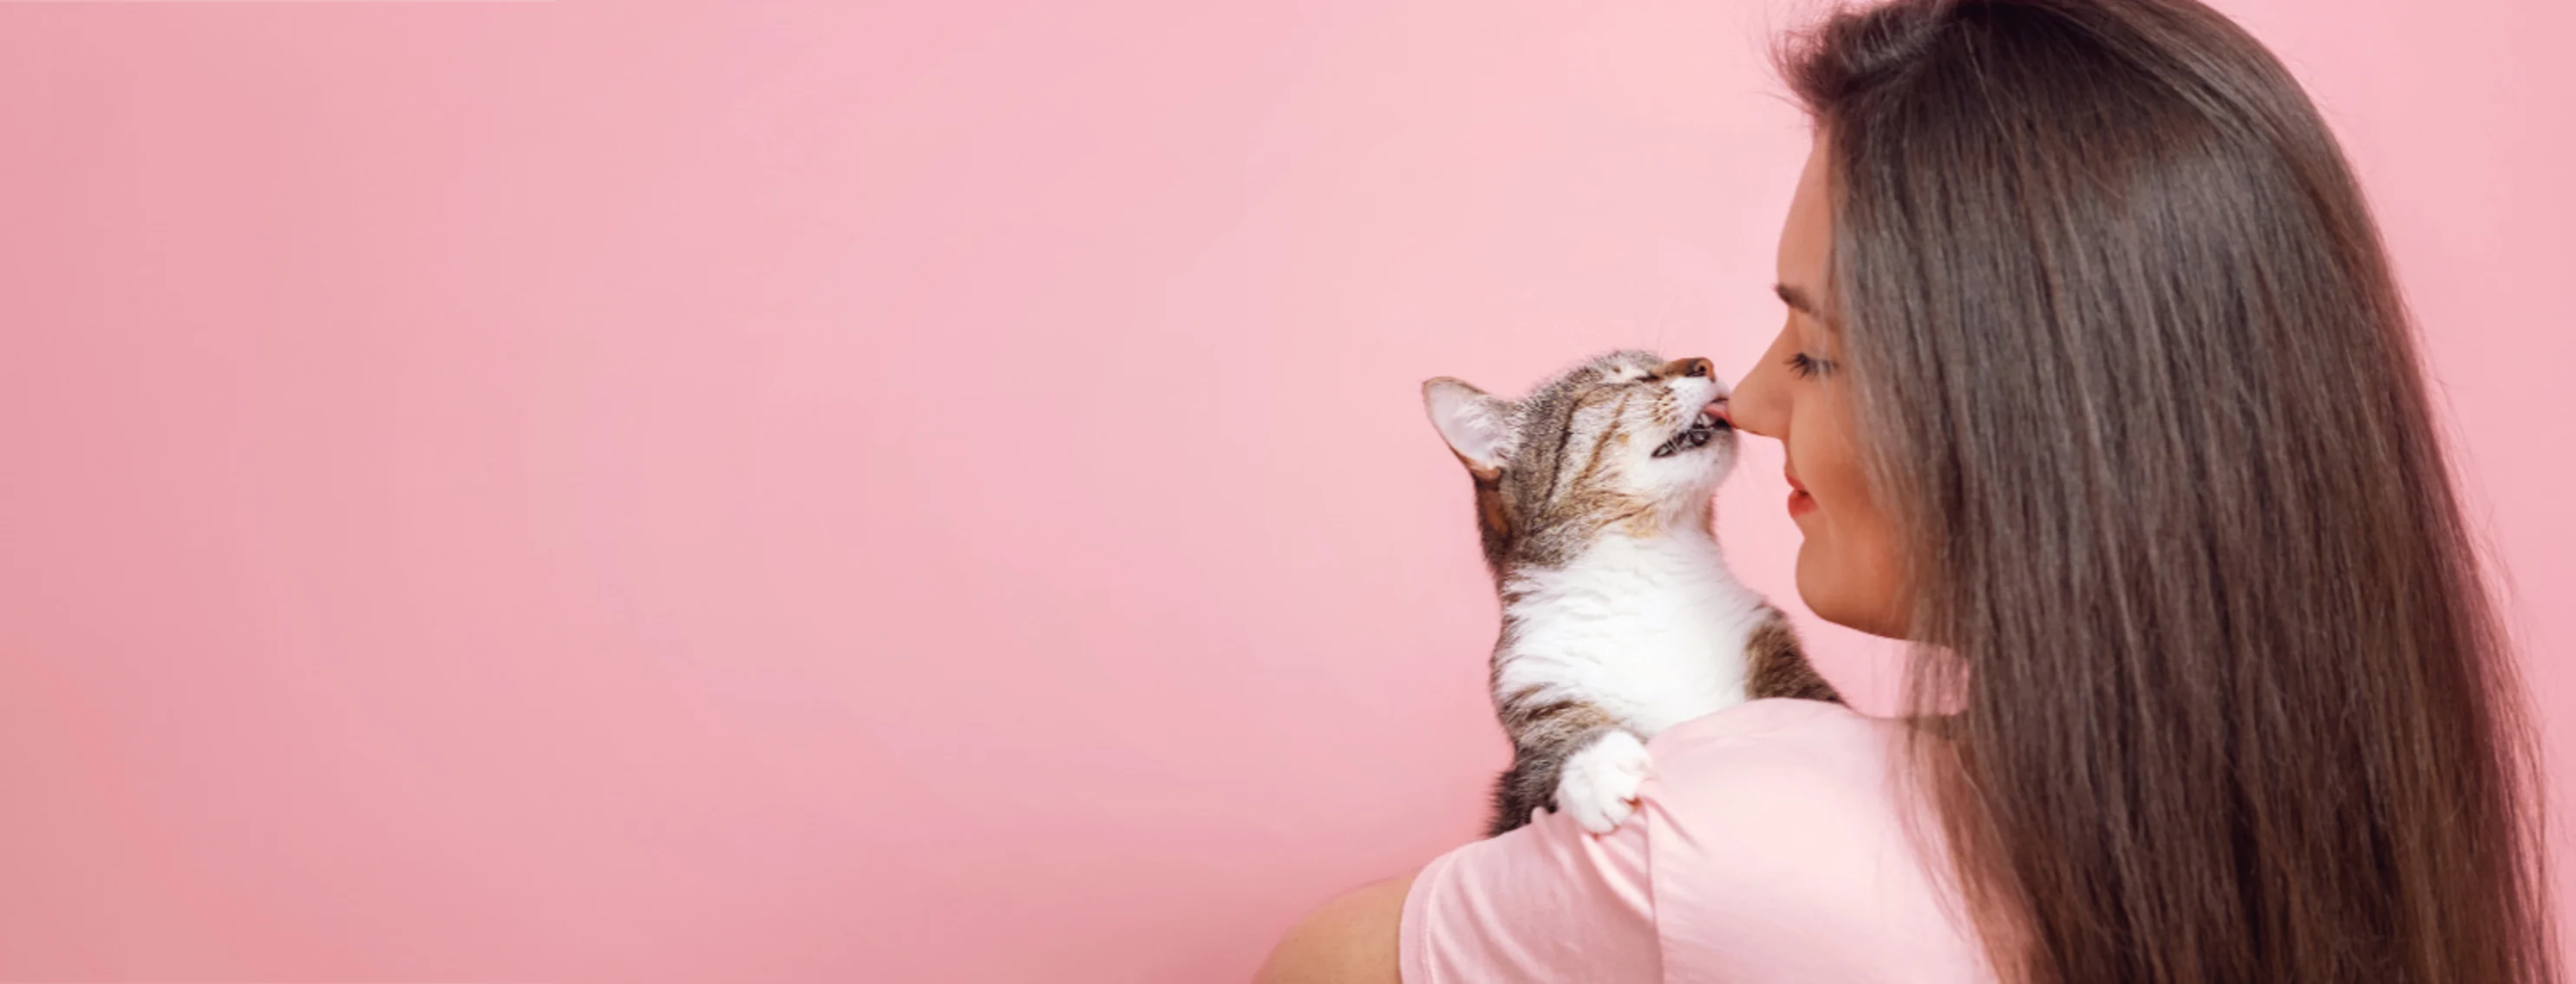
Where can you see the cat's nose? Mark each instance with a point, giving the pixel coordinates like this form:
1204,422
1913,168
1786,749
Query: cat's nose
1687,367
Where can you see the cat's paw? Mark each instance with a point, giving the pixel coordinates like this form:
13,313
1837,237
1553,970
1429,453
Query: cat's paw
1598,786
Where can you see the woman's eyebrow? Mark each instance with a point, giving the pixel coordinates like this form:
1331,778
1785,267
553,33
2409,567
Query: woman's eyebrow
1796,299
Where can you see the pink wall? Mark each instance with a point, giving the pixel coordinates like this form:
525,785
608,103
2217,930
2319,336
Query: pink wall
588,492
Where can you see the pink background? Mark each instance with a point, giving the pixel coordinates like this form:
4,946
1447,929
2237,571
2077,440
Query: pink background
645,492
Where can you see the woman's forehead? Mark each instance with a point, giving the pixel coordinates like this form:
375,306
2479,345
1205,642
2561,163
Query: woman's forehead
1806,237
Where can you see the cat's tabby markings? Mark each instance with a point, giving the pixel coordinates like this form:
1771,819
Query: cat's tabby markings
1620,618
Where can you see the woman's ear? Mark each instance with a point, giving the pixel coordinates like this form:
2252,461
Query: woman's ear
1477,426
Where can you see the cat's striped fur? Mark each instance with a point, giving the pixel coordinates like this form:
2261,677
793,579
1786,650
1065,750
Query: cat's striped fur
1619,615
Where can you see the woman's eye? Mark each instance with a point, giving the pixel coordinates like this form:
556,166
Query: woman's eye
1806,365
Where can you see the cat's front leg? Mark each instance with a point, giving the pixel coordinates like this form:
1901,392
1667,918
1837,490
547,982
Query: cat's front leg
1599,785
1567,755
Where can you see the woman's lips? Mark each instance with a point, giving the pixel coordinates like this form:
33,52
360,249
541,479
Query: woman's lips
1800,503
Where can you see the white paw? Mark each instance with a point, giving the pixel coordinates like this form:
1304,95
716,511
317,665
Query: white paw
1598,786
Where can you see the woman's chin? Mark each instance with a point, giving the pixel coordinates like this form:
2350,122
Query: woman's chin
1835,596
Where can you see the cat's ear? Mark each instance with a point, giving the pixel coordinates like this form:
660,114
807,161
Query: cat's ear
1477,426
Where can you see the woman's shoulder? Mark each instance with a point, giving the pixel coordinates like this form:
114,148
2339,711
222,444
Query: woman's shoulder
1820,735
1767,846
1780,831
1798,773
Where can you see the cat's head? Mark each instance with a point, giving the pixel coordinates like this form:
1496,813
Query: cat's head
1627,443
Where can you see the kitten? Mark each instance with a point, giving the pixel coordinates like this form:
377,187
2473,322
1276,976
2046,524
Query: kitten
1620,618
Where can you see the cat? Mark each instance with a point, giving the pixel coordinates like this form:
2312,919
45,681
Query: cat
1620,618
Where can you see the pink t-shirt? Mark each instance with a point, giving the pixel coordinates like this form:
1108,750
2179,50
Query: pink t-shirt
1768,847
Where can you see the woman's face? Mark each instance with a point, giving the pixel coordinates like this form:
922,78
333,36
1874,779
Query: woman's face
1849,567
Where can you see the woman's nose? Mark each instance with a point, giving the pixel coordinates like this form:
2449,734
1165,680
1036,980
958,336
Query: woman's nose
1754,405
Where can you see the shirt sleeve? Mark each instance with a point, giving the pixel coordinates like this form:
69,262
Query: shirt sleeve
1546,902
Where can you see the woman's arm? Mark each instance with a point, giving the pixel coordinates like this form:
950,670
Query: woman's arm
1545,902
1349,940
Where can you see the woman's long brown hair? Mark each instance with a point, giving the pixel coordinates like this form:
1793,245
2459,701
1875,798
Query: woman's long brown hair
2221,694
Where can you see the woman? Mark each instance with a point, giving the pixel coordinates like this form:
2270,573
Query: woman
2096,387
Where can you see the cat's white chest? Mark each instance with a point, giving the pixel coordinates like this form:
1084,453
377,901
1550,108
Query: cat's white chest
1652,631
